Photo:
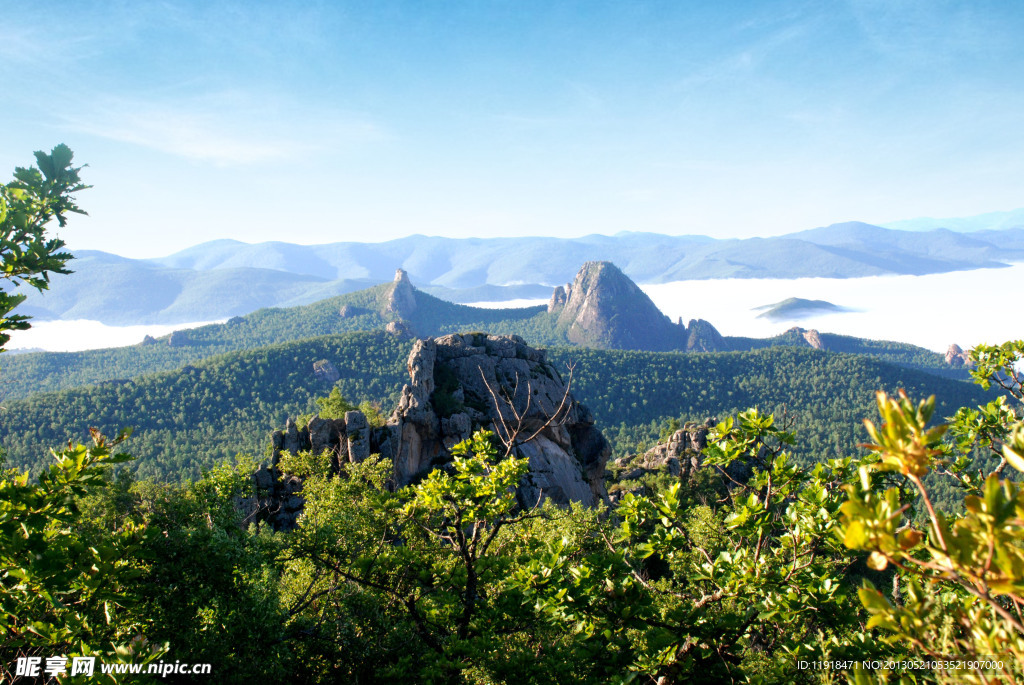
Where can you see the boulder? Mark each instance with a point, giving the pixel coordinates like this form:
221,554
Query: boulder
326,371
357,432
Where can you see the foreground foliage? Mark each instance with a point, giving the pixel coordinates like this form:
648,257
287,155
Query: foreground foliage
28,255
959,590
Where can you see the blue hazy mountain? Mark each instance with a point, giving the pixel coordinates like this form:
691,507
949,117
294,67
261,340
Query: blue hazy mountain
994,221
224,278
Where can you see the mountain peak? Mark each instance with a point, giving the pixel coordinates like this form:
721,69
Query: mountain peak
604,308
401,297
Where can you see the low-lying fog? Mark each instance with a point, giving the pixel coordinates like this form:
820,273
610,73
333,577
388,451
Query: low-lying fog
964,307
83,334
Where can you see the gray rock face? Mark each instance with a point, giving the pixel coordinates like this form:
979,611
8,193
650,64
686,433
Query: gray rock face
357,434
401,298
678,456
603,308
326,371
278,496
449,396
558,300
276,499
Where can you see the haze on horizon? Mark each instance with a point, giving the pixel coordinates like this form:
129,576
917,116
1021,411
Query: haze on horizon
321,122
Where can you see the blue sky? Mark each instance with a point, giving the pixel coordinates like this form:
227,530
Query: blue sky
317,122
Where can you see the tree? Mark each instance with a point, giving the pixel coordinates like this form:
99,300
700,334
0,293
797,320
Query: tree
960,578
60,592
725,594
28,255
436,551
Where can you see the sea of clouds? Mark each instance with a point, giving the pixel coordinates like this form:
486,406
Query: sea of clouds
933,311
963,307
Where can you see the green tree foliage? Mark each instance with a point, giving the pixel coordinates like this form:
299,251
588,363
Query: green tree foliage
28,256
826,394
715,594
211,587
961,577
62,592
51,371
428,569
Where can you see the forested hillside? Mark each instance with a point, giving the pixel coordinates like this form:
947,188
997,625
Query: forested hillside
209,411
365,310
359,311
204,413
827,394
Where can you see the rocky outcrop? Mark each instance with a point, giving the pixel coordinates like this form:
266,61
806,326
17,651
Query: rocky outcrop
276,499
459,383
603,308
797,337
448,397
179,339
326,371
400,329
813,339
957,357
558,299
277,496
400,301
347,439
679,456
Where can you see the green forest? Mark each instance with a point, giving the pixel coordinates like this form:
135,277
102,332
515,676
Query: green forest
878,535
208,411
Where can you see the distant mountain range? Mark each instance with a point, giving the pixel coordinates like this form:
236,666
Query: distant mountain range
990,221
224,278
